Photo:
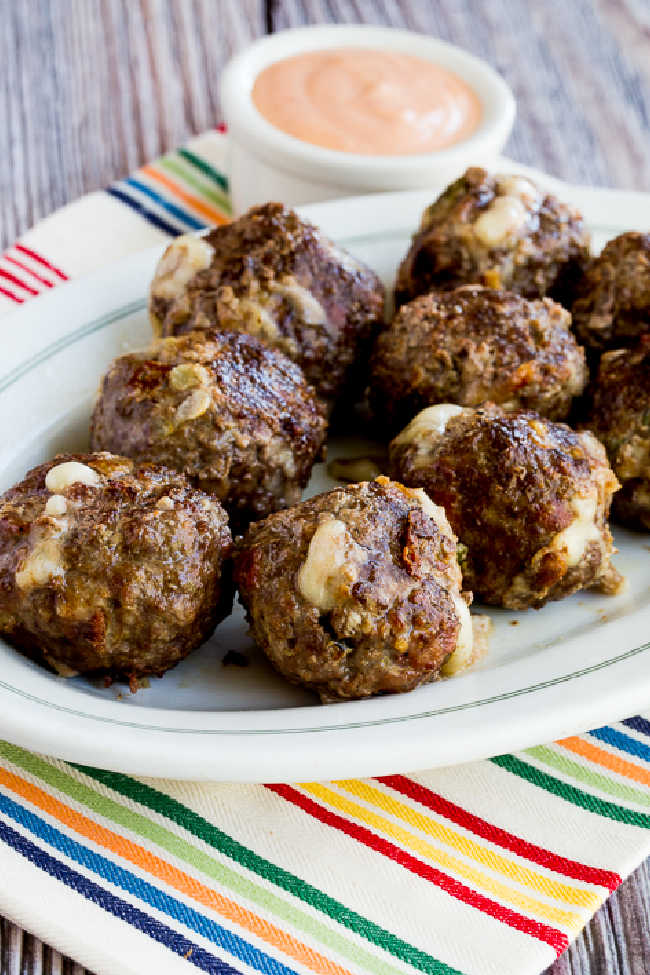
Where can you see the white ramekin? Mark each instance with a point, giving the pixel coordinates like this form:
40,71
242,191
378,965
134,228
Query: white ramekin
267,164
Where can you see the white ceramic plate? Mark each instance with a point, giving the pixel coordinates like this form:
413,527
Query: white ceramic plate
571,666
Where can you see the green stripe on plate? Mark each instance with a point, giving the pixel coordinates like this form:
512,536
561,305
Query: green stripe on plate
191,821
80,333
570,793
319,729
581,773
181,169
205,168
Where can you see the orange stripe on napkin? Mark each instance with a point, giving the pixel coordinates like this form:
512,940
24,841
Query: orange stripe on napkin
214,215
172,876
584,748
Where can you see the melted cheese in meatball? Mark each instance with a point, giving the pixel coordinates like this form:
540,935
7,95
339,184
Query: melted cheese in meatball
333,559
44,561
508,214
185,257
583,530
464,652
427,427
68,473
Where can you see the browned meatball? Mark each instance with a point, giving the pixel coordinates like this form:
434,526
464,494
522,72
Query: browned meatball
619,415
612,306
471,345
111,568
232,414
273,275
501,231
357,591
528,499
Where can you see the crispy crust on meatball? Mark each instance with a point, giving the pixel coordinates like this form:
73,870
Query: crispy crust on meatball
619,416
355,592
528,498
471,345
497,230
612,306
232,414
111,568
276,276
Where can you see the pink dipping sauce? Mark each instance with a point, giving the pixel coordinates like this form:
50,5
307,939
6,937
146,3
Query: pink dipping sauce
379,103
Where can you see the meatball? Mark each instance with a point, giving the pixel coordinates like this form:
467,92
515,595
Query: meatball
612,306
471,345
233,415
619,416
111,568
501,231
527,498
357,591
273,275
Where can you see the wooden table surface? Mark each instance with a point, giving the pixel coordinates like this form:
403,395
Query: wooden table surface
90,89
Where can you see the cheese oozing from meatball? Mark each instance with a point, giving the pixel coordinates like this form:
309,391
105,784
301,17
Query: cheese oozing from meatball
185,257
56,506
71,472
513,185
464,651
472,643
581,532
574,541
44,561
427,427
503,218
333,559
508,213
431,421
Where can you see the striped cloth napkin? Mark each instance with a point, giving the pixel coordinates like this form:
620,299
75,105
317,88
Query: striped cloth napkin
484,869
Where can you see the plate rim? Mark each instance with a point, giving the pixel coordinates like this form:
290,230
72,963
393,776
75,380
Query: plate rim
347,726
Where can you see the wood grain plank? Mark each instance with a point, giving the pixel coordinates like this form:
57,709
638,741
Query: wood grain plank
91,89
616,942
53,964
11,948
